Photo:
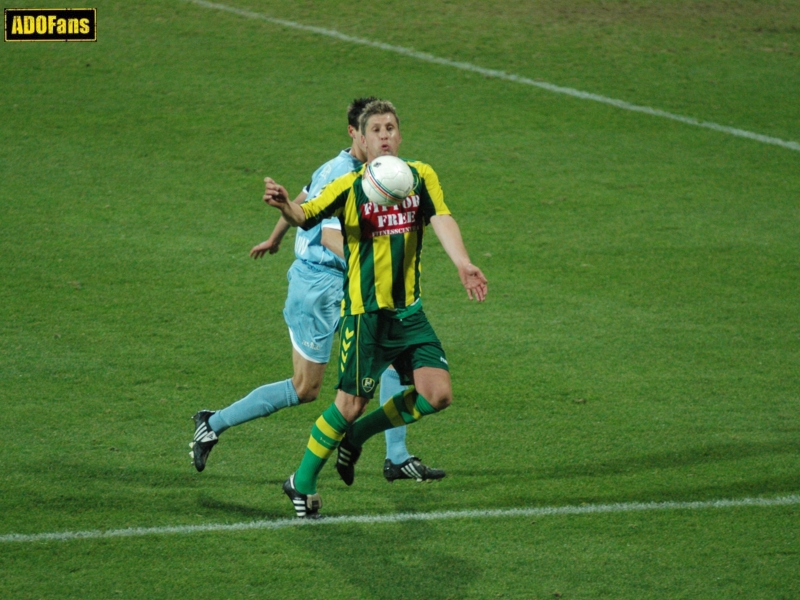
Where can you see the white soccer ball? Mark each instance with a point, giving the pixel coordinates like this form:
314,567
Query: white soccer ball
387,180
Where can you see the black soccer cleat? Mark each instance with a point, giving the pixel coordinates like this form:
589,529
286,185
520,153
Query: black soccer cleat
204,439
306,506
346,461
413,468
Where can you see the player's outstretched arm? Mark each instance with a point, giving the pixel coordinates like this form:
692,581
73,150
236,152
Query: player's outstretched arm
273,243
449,235
277,196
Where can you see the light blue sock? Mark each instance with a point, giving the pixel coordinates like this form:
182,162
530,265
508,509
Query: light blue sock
396,450
261,402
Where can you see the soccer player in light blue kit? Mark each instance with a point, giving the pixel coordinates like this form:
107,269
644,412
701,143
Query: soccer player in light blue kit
312,310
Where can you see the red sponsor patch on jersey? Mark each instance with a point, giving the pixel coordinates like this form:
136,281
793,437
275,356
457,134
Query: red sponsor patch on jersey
388,220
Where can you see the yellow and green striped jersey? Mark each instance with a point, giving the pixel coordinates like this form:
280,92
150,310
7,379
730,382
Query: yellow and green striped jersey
382,245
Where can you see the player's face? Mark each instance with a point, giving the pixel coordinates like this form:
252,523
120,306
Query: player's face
382,136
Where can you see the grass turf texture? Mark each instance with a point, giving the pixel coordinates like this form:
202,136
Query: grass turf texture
640,342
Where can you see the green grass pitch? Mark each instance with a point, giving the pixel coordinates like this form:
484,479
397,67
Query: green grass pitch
640,342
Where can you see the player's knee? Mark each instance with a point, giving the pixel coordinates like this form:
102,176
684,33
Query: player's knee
439,394
351,407
357,408
307,391
441,400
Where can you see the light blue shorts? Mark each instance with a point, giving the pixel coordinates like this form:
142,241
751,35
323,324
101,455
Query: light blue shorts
312,310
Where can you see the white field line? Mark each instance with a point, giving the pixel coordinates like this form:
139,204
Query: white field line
587,509
465,66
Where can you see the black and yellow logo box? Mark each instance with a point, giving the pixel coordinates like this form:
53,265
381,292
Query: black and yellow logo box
51,24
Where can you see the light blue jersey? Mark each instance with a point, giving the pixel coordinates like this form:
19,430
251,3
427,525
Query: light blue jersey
308,244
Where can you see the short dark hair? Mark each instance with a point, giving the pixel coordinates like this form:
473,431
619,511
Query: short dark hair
378,107
355,109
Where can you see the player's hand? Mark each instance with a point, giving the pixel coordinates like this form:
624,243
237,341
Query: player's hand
474,282
264,247
274,193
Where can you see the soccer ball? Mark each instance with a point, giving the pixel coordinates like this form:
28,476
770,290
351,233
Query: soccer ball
387,180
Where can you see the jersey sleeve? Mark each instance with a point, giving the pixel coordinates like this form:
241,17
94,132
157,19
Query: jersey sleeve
431,195
330,201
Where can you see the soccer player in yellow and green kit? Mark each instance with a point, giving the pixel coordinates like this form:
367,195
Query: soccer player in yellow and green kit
382,320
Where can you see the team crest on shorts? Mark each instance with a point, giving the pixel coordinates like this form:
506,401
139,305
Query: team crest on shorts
368,384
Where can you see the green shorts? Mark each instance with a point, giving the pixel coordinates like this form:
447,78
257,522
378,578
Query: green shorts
369,343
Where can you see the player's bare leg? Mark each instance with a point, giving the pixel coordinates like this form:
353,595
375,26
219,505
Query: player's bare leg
435,386
307,378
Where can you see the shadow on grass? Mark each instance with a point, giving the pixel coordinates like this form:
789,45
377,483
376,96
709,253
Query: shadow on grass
700,455
147,473
234,509
80,490
75,489
401,561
